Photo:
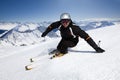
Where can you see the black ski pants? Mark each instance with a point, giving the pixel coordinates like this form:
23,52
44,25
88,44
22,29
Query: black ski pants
65,44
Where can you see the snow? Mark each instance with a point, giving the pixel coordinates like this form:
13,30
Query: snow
8,25
81,63
25,34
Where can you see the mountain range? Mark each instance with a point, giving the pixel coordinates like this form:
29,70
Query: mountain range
22,34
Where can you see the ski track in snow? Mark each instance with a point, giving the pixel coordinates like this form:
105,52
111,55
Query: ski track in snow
80,64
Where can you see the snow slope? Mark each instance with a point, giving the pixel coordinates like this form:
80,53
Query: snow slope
80,64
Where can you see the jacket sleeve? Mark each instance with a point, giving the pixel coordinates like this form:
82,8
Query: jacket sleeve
81,33
87,38
50,28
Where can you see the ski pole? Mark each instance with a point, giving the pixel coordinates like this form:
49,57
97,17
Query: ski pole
99,43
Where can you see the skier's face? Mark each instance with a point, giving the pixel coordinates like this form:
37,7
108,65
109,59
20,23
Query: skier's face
65,22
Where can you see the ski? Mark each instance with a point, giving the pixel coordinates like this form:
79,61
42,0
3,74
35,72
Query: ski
37,58
36,63
34,60
56,55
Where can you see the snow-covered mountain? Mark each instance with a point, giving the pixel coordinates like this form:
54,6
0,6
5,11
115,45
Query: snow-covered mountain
8,25
23,34
88,25
81,63
5,26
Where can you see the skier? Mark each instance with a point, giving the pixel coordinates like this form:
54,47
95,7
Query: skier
70,34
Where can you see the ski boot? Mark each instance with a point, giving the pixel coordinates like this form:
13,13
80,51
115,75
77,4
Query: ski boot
54,52
57,55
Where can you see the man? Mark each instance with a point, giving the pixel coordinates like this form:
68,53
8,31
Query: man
70,34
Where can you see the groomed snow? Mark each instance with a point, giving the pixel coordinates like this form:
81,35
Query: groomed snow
80,64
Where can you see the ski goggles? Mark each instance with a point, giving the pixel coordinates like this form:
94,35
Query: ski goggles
65,20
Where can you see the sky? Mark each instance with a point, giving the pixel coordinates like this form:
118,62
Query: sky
50,10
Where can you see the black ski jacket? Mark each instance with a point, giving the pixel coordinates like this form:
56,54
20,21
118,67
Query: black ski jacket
69,33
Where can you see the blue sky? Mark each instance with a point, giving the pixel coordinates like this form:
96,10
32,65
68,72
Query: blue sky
47,10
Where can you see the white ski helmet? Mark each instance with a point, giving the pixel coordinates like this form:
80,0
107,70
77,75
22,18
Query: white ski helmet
65,16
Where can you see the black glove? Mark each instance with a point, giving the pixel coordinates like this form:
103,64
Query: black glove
99,50
43,34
